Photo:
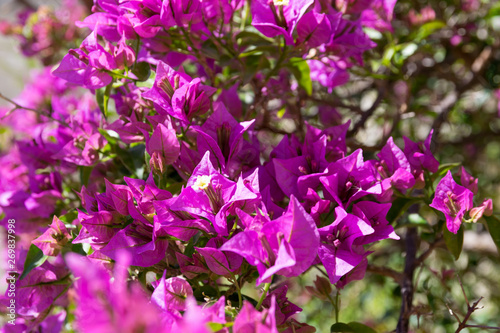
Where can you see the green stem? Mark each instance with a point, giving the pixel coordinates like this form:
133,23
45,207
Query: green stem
276,68
246,14
337,308
238,289
264,294
334,307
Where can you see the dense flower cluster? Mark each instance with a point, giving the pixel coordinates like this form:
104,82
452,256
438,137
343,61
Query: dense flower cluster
166,180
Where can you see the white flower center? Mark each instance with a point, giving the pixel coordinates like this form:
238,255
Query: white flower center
202,182
281,2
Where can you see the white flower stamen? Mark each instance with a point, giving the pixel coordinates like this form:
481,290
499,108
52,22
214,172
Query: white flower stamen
281,2
202,182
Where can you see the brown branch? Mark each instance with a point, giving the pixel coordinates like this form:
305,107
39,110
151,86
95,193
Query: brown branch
20,107
484,326
470,310
477,67
368,113
396,276
427,253
407,283
27,4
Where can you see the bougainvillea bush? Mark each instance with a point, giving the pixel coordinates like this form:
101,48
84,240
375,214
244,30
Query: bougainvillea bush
244,166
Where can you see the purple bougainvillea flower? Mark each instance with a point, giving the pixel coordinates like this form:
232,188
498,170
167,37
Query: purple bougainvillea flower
231,101
171,294
163,147
104,20
145,193
351,178
53,239
420,157
296,174
251,320
395,167
222,135
210,195
124,55
378,15
486,209
375,214
166,81
348,41
106,305
468,181
42,287
278,17
314,29
328,72
87,66
144,17
181,225
191,267
197,319
453,201
284,308
220,263
286,246
182,13
298,170
140,241
178,95
337,251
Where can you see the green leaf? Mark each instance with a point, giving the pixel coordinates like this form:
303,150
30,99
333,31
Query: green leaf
443,169
272,49
427,29
493,223
209,49
175,187
416,219
494,11
253,64
110,135
361,328
85,172
69,217
341,327
300,69
245,38
454,242
102,97
34,258
389,53
215,326
142,71
133,159
399,206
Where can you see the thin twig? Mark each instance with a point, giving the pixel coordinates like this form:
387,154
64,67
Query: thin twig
367,114
463,291
484,326
396,276
470,310
20,107
428,252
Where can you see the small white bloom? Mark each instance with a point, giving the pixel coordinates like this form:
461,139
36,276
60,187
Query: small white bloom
202,182
281,2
